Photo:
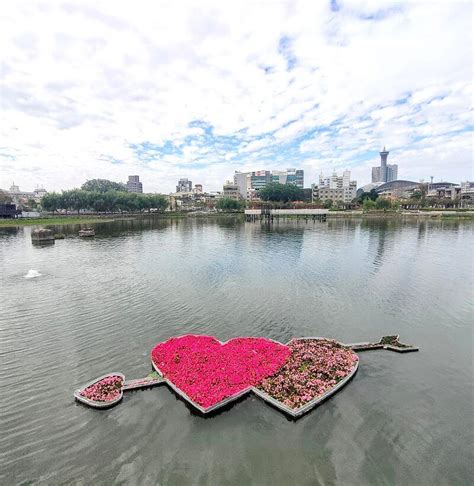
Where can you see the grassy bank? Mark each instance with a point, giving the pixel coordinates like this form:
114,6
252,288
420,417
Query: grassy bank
390,214
89,219
58,220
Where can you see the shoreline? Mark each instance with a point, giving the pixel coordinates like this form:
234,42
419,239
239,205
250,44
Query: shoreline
430,214
85,219
106,218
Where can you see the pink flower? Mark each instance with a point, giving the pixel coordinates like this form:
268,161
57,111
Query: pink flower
314,367
209,372
104,390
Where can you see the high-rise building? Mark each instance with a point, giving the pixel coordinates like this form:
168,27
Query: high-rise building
260,179
242,179
250,182
295,177
386,172
134,184
184,185
336,188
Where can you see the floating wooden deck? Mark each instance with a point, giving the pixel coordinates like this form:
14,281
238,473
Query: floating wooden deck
268,215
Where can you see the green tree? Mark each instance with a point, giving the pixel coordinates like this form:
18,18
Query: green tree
383,203
158,202
328,204
121,201
372,195
368,204
76,200
109,199
51,202
229,204
143,202
396,204
132,202
281,192
98,201
103,185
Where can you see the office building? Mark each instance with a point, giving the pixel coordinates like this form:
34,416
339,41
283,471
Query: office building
184,185
249,183
134,184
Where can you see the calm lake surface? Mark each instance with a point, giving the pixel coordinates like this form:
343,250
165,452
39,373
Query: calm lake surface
101,304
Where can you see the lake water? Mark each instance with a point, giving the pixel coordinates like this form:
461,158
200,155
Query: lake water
101,304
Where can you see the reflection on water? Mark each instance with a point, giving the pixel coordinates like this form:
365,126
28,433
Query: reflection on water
102,303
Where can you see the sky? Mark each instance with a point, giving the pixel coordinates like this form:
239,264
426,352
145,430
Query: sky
107,89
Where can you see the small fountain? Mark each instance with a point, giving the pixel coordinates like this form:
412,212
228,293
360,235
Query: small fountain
32,274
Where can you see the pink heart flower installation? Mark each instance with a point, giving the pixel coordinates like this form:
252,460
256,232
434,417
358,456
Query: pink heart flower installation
104,390
314,368
208,371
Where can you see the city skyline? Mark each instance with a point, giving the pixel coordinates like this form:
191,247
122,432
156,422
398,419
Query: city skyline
237,87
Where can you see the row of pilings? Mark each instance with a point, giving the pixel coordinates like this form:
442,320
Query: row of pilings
268,217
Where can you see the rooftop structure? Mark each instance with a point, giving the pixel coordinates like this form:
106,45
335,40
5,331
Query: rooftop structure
368,188
19,197
397,189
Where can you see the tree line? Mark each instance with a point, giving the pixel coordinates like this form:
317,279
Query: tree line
107,201
281,192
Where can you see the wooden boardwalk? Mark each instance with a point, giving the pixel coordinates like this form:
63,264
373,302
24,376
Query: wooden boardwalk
269,215
141,383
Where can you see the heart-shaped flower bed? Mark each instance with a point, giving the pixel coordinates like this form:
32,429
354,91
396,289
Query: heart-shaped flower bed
316,368
209,372
105,390
102,392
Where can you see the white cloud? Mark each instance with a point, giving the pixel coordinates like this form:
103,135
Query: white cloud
82,82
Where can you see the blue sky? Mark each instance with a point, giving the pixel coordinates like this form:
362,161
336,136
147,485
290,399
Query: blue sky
168,90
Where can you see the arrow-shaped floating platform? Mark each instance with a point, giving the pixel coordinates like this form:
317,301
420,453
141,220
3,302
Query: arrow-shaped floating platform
147,382
107,390
390,343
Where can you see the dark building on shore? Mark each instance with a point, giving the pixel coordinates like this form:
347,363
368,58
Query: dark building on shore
9,211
